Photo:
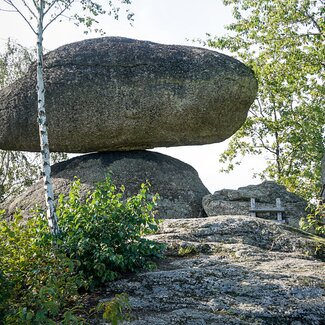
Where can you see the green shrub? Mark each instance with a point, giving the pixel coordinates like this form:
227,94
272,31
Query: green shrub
315,220
104,231
37,281
101,236
4,296
116,310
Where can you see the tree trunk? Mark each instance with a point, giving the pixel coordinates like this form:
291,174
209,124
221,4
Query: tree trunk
42,123
277,148
322,194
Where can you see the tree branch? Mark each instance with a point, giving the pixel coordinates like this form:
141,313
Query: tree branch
311,17
260,107
7,10
253,113
277,144
292,157
309,34
30,10
50,7
264,145
59,14
9,2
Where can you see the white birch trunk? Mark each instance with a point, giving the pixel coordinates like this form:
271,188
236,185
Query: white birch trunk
45,149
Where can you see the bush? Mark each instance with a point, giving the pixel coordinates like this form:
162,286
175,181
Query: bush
116,310
315,220
4,296
101,237
104,231
42,280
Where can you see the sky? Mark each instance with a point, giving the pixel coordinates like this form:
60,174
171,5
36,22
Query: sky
167,22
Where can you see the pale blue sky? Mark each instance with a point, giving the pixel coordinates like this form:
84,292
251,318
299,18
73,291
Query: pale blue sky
163,21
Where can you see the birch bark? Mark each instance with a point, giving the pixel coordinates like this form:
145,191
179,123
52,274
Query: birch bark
42,123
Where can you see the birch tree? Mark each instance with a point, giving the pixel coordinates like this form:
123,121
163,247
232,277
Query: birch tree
39,15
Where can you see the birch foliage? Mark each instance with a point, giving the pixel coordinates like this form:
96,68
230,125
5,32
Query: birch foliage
283,42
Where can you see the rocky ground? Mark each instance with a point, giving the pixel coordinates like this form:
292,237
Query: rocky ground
229,270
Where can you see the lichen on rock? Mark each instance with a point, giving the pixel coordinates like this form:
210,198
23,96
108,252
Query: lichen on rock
114,93
244,271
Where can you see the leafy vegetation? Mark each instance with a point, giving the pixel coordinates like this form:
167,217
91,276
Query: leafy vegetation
187,250
283,42
100,238
105,231
42,280
115,310
315,221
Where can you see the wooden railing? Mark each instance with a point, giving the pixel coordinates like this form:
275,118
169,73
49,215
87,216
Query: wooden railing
278,209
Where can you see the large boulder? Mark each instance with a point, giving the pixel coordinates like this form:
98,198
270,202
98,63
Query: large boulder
237,202
114,93
178,184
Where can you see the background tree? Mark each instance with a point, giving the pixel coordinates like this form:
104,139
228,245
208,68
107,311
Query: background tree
39,15
283,42
18,169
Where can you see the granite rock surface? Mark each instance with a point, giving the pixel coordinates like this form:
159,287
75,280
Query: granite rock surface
177,183
113,93
229,270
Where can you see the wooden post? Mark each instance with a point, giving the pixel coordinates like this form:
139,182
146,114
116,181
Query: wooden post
278,214
253,206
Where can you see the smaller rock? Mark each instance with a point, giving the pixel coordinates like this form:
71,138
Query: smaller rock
237,202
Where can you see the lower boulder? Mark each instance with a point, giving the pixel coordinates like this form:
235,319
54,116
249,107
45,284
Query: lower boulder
237,202
178,184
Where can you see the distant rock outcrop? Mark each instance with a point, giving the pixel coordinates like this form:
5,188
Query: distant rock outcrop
237,202
178,184
113,93
232,270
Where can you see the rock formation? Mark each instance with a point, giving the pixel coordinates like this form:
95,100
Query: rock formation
237,202
178,184
120,94
228,270
114,93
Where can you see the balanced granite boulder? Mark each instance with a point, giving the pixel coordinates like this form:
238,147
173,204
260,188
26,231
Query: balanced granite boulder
113,93
237,202
177,183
